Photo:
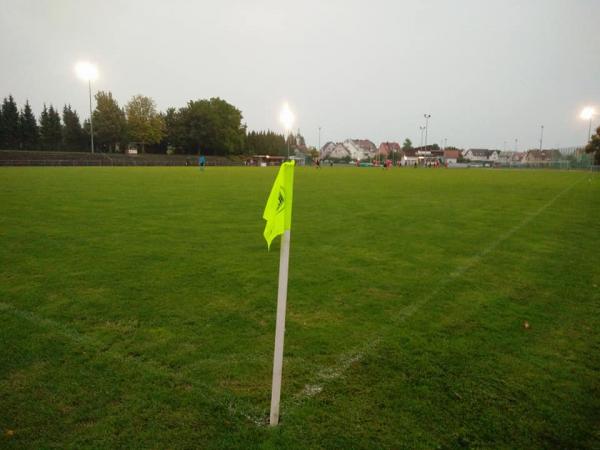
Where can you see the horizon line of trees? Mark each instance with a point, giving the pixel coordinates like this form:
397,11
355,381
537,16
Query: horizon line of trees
206,126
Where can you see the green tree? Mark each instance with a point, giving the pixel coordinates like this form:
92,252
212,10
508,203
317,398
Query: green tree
50,129
593,146
110,125
10,124
407,145
265,143
144,124
174,132
28,128
211,127
72,136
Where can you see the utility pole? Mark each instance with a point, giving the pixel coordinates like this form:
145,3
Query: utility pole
541,138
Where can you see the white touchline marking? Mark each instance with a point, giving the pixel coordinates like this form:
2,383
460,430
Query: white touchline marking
208,392
324,375
328,374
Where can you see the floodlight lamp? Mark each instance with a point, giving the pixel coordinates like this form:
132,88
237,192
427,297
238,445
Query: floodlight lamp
587,113
86,71
286,117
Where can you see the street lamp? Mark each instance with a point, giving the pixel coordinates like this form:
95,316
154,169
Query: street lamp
286,117
587,114
427,116
541,138
87,71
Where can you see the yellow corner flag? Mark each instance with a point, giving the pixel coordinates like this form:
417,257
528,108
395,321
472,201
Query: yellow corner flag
278,211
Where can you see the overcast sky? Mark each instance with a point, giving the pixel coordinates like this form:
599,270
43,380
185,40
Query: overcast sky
487,71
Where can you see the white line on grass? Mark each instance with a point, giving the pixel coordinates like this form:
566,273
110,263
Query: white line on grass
331,373
209,393
324,375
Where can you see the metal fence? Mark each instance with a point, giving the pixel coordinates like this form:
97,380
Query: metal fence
557,165
109,163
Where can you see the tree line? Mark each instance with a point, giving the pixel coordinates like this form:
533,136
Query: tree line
207,126
593,147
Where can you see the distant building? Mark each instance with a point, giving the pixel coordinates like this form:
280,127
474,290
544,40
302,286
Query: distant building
517,157
451,156
481,155
386,149
409,157
510,157
368,147
427,149
542,156
505,157
334,150
350,148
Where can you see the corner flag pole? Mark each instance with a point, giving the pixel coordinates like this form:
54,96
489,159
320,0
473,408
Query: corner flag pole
278,214
284,258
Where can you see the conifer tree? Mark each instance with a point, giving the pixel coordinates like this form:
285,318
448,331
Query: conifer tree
44,126
55,128
50,129
1,129
73,138
28,127
10,124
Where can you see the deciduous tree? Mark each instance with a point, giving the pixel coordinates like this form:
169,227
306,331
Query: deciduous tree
211,126
110,125
144,124
593,146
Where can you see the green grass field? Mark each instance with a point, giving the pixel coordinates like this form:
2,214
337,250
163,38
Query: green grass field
138,309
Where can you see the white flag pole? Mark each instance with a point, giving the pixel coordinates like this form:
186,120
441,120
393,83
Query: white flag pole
284,259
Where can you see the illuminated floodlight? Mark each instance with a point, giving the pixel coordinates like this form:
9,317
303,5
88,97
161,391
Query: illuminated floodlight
86,71
587,113
286,117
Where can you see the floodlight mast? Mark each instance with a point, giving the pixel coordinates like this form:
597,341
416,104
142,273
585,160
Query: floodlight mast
588,114
286,117
87,71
